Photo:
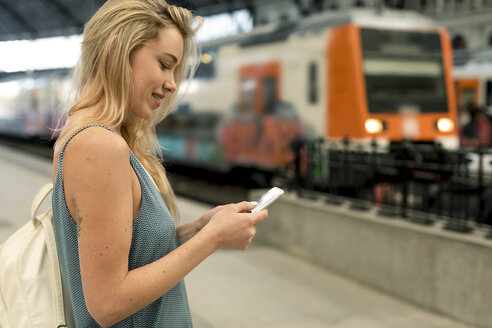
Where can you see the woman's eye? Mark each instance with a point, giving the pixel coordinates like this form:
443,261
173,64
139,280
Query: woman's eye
163,66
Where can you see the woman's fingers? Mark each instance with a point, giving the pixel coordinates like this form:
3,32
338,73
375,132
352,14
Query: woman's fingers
235,226
243,206
260,215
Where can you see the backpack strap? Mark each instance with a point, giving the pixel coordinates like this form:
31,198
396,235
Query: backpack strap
54,267
3,306
38,200
46,220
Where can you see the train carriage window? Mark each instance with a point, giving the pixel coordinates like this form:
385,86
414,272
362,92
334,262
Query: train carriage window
488,93
403,69
248,87
285,110
206,68
270,89
313,83
458,42
359,3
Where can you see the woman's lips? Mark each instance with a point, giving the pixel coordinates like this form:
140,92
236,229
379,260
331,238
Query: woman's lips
157,99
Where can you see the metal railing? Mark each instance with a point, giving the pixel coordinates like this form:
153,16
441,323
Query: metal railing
420,183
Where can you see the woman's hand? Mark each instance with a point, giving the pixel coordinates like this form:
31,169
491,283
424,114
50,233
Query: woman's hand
205,218
231,226
188,230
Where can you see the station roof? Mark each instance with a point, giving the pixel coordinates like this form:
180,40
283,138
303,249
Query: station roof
23,19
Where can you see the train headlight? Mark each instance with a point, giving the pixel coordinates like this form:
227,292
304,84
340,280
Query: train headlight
373,126
445,125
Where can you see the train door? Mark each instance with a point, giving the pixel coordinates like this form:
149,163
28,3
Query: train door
467,92
260,130
259,87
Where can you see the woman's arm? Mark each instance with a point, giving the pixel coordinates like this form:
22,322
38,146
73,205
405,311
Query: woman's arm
98,188
187,230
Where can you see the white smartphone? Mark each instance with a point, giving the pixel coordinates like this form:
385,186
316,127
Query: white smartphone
267,198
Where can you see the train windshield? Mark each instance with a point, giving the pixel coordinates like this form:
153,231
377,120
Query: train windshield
403,71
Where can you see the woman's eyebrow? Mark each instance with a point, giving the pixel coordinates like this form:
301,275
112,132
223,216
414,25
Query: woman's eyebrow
173,57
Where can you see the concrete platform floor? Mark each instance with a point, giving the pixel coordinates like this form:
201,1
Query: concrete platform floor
260,287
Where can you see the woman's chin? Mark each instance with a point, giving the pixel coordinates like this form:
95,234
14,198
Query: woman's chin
144,114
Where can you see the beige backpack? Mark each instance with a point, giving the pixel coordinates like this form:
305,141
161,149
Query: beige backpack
31,288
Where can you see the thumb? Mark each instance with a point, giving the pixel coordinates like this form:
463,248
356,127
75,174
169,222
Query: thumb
243,206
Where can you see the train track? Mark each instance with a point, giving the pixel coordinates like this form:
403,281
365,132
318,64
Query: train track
198,185
40,148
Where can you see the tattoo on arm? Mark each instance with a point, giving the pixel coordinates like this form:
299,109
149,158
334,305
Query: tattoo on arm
78,218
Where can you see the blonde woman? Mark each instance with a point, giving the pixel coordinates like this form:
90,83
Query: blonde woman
122,254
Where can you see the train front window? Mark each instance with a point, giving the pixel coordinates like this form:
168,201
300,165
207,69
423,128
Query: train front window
403,70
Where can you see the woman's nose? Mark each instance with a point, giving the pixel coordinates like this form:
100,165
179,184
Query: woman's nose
170,85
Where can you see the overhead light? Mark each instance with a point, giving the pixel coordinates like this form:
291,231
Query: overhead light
206,58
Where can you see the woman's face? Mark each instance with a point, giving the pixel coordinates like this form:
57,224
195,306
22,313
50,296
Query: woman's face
153,67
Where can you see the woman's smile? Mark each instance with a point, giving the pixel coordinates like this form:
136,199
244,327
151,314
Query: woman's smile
157,99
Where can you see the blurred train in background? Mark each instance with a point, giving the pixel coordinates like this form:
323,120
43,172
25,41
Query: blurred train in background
32,103
362,75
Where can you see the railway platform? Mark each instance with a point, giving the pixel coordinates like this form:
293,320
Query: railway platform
260,287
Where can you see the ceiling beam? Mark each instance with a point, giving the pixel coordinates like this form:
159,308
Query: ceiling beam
21,26
17,17
217,7
63,11
308,7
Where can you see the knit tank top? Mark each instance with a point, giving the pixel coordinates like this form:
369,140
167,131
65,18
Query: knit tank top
153,236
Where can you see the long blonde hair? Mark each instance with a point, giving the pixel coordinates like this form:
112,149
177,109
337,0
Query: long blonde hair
104,75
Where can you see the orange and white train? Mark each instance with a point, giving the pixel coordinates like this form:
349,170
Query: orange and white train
358,74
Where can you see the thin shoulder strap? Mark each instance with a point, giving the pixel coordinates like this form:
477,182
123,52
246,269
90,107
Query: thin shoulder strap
80,130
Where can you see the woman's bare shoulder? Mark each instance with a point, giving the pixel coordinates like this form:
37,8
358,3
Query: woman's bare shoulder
94,151
98,137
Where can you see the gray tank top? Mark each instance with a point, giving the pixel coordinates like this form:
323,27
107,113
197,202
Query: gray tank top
153,236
